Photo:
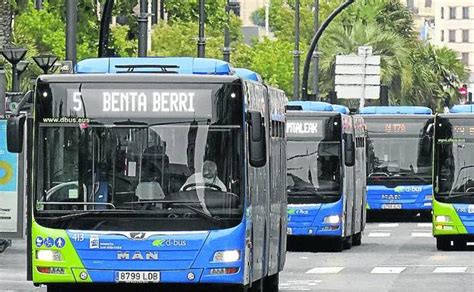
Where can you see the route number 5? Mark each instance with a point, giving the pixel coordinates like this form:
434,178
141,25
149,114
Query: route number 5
77,100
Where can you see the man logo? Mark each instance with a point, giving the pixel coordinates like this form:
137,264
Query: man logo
137,256
138,236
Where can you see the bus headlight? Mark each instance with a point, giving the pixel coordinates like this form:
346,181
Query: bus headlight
443,219
227,256
428,197
334,219
48,255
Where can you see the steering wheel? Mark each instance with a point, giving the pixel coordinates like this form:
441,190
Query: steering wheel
202,185
469,189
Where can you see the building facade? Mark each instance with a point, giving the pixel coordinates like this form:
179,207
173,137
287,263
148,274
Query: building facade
454,28
423,16
247,7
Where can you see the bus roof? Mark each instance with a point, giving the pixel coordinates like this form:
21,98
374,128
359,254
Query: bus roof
248,74
391,110
180,65
341,109
317,106
462,108
314,106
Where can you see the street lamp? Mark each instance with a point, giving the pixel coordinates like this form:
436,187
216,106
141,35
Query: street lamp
14,56
231,5
45,62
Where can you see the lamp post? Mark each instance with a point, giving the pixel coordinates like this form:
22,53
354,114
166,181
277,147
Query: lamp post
231,5
45,62
14,56
201,44
314,43
296,53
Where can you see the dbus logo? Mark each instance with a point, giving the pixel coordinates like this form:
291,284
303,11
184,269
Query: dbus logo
169,242
297,212
409,189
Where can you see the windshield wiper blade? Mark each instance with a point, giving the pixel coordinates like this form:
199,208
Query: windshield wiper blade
201,213
85,213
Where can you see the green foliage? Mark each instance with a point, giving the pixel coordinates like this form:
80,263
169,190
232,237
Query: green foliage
188,11
119,40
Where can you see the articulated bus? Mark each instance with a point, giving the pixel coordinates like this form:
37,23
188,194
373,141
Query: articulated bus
155,171
398,159
326,181
453,203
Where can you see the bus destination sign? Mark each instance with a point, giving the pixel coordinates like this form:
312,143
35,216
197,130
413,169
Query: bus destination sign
394,127
109,103
304,128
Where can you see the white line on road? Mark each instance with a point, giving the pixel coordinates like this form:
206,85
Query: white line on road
425,225
388,225
379,234
387,270
325,270
421,234
441,270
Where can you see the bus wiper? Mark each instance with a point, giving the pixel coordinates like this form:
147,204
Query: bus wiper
83,214
201,213
464,194
301,155
308,191
411,175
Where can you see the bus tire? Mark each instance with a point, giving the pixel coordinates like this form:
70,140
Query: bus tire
347,242
443,243
357,239
271,283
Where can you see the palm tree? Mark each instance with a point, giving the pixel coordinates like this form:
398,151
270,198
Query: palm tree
5,22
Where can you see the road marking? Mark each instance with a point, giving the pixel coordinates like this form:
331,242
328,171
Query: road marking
421,234
470,243
299,285
450,270
388,225
325,270
387,270
379,234
425,225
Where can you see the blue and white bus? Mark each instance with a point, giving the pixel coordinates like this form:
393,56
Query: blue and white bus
325,173
453,202
399,155
155,171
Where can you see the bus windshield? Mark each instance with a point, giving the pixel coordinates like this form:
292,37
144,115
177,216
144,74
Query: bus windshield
313,168
454,161
398,153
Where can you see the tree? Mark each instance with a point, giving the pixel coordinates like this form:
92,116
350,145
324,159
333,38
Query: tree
5,22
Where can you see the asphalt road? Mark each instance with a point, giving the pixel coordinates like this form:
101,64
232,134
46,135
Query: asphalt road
393,257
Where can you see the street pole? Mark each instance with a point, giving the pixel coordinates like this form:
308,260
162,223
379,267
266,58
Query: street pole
316,54
201,44
39,4
71,31
226,50
142,28
296,54
267,18
314,43
105,28
15,83
3,90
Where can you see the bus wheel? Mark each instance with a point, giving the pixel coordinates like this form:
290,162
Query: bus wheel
337,245
271,283
357,239
347,242
257,286
443,243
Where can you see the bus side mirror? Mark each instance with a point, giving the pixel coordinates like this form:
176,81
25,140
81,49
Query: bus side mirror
257,144
349,150
15,130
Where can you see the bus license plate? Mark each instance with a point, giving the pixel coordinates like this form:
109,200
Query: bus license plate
137,277
392,206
